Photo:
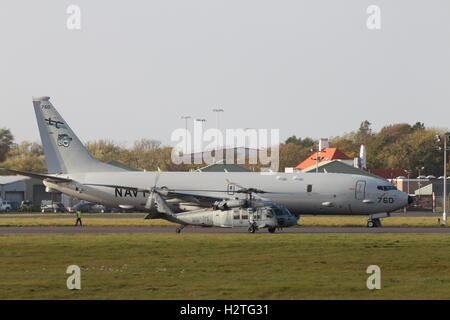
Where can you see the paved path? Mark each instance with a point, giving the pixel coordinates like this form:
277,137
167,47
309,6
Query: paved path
199,230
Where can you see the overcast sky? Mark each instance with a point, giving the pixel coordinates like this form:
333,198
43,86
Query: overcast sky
309,68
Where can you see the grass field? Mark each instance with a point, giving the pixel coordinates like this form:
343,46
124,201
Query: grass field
225,266
304,221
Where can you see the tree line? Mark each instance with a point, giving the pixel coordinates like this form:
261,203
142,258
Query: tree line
413,148
398,146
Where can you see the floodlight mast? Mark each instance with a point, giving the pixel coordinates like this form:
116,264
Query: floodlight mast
185,118
444,213
217,110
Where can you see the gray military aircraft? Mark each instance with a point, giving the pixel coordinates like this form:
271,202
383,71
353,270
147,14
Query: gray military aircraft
253,212
183,196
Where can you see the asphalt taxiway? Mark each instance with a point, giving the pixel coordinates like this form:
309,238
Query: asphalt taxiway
200,230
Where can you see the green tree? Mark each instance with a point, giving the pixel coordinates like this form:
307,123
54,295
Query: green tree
106,150
291,154
418,126
364,132
303,143
6,142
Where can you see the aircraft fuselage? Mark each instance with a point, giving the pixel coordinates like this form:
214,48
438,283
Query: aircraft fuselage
301,193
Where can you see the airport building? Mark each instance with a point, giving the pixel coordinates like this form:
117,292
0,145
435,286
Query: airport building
334,166
224,167
18,188
236,155
431,195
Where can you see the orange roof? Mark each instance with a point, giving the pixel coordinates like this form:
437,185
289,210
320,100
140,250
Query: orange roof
325,155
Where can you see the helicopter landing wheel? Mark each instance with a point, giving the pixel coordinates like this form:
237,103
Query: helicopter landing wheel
272,230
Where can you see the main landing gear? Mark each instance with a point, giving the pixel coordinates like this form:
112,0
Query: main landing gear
374,223
178,230
253,228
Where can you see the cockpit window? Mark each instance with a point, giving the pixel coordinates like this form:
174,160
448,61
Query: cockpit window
278,211
386,188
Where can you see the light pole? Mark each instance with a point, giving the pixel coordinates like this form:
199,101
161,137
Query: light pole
407,185
408,173
420,179
318,158
185,118
444,211
217,111
201,144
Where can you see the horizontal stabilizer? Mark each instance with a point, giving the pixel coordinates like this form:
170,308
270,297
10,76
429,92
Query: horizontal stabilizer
39,176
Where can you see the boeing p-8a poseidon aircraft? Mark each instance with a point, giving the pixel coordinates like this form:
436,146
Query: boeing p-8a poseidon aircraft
75,172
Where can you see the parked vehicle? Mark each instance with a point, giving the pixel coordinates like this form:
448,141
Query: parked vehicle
87,207
98,208
5,206
50,206
26,206
81,206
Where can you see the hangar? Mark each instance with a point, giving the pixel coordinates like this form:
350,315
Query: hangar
18,188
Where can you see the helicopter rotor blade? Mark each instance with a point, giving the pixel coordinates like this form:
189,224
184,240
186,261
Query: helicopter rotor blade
150,201
149,204
158,175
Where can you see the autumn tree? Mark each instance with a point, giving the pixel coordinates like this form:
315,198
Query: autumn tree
291,154
26,156
6,141
303,143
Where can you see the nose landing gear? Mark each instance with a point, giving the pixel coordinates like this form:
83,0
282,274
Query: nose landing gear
374,219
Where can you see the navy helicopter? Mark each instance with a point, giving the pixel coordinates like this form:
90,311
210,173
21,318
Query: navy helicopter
252,212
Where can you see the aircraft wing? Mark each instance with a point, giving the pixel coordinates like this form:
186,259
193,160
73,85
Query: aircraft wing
39,176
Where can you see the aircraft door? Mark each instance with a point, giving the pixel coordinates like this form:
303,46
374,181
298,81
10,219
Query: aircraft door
253,216
227,218
360,191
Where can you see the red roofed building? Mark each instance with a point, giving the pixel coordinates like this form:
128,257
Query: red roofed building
326,154
388,173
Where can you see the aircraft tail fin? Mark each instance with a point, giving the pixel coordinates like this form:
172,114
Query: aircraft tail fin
64,152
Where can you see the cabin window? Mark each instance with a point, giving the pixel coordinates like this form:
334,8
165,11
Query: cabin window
309,188
244,216
236,215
